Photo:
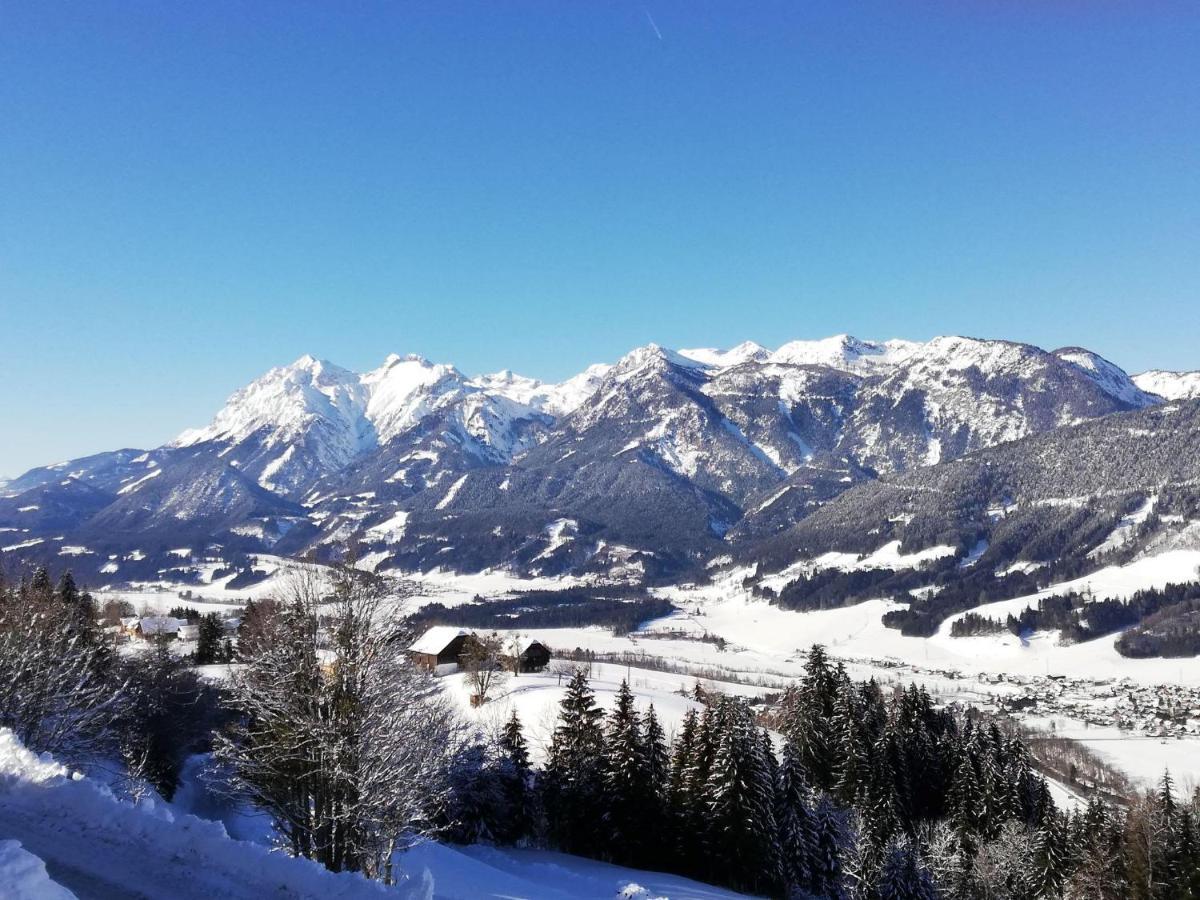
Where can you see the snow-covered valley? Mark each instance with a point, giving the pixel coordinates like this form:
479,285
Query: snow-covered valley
907,506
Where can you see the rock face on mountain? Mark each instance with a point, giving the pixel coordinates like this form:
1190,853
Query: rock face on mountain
646,467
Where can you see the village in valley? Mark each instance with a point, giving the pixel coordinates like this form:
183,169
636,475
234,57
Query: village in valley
667,663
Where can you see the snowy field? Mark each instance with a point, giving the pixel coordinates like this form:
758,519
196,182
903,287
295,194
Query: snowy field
536,697
765,647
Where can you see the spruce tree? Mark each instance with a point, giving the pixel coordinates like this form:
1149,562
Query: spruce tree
681,798
964,802
797,824
852,770
518,782
1098,870
512,740
902,876
740,805
681,753
827,874
626,779
658,775
654,744
811,729
574,774
208,640
40,587
67,592
1050,860
692,813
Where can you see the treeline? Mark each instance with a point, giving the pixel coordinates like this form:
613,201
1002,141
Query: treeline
1171,632
974,624
924,615
549,609
1169,620
871,796
832,588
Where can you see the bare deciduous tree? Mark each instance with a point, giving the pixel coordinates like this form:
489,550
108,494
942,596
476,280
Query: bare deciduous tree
341,739
482,659
514,646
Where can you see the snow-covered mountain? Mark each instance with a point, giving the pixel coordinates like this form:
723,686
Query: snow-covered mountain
650,464
306,420
1170,385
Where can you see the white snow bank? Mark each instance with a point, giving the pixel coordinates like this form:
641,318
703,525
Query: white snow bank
98,845
74,834
492,873
23,876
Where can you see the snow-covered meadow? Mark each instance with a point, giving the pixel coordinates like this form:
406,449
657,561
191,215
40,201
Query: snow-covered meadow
762,647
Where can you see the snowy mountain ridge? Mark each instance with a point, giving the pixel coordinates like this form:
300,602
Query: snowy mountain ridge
651,459
1170,385
338,415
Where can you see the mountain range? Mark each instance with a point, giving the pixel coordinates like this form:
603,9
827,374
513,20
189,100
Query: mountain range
653,467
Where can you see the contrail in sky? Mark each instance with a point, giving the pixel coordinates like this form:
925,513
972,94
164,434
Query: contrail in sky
650,18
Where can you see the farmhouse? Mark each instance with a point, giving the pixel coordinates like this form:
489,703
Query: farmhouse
534,657
158,627
440,648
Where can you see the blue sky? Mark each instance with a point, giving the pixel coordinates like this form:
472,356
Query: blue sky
193,192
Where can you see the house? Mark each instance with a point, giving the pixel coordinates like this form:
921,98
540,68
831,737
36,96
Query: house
128,625
163,628
440,649
534,657
188,632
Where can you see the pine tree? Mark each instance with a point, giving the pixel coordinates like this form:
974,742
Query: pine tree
797,825
740,800
811,726
574,774
626,779
1049,865
208,640
827,873
902,876
67,591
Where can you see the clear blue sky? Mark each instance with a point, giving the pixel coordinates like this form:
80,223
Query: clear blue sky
193,192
